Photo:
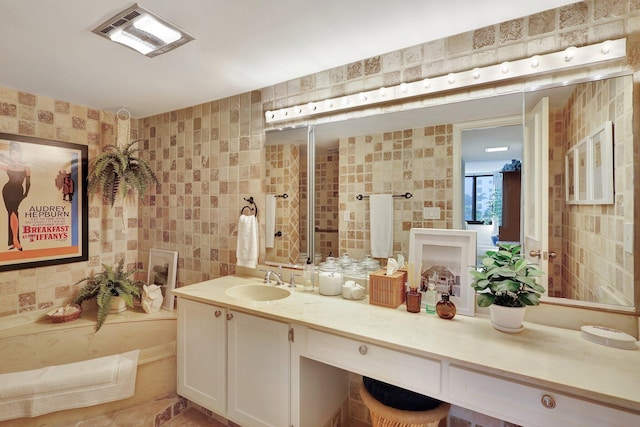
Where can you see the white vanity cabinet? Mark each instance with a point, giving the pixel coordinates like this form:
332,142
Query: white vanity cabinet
530,405
202,354
235,364
258,370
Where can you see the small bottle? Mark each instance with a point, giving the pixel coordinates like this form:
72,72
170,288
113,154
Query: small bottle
431,298
445,308
307,282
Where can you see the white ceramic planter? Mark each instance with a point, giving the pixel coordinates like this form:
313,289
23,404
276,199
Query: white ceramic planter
507,319
118,305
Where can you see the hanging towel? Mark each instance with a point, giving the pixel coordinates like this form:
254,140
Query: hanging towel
270,220
247,247
381,223
73,385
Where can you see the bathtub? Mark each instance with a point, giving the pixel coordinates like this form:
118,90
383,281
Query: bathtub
30,341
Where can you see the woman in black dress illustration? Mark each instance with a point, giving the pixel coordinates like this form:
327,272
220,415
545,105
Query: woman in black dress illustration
14,192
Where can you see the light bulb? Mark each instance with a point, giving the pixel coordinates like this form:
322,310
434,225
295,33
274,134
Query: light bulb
606,47
328,103
363,96
535,61
504,67
476,73
568,53
312,106
451,78
427,83
298,109
345,101
404,87
383,91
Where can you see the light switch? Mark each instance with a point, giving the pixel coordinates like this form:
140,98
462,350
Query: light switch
431,213
628,237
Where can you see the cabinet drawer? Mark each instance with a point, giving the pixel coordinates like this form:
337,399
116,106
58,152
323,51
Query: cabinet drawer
419,374
525,404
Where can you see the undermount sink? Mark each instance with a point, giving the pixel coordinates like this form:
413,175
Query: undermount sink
255,292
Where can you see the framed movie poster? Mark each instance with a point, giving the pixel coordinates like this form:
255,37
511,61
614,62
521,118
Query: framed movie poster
44,194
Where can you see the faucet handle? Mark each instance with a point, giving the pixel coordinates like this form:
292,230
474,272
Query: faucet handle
292,280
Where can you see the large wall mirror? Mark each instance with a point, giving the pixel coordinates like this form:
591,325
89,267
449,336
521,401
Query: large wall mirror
549,189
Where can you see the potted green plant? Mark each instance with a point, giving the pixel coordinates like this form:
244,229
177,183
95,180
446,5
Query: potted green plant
506,283
107,286
117,170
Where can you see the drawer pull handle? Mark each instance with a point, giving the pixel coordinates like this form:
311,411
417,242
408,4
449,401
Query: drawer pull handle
363,349
548,401
229,316
218,313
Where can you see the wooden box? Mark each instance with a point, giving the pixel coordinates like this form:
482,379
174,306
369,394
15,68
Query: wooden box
387,291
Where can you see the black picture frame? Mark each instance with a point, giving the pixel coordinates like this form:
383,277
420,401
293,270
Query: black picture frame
52,212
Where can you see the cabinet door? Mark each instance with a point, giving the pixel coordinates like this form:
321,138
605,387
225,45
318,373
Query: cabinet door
202,364
259,361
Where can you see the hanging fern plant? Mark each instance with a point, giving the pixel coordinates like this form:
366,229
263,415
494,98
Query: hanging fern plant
119,170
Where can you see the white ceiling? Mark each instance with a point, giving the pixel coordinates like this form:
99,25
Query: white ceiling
241,45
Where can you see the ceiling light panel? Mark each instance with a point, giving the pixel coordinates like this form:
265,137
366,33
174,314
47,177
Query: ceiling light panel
142,31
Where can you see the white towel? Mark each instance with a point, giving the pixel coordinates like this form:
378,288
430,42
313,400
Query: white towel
73,385
270,221
381,224
247,246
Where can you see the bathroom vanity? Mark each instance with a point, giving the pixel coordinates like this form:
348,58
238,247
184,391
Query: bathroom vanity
242,358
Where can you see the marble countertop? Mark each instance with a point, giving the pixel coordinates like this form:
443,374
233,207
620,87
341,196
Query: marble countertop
540,355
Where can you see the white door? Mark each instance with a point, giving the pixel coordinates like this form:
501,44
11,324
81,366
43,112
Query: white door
259,374
202,354
535,170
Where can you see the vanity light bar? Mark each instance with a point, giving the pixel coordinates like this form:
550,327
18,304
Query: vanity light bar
561,60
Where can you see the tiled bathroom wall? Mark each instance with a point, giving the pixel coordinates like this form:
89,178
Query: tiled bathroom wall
39,116
326,199
593,248
417,161
283,172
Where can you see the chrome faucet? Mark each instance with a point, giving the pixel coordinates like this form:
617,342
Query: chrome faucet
277,276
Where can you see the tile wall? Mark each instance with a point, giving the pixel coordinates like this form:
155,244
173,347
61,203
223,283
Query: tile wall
39,116
593,250
417,161
327,208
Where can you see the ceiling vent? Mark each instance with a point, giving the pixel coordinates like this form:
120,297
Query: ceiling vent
140,30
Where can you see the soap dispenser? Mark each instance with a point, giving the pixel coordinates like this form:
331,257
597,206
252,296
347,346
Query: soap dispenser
445,308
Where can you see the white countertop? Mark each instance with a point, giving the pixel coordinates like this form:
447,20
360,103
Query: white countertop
541,355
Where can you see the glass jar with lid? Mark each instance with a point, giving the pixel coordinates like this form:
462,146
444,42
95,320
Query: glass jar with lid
330,277
358,274
370,264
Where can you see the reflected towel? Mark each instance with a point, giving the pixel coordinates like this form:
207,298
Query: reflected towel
73,385
270,221
381,225
247,246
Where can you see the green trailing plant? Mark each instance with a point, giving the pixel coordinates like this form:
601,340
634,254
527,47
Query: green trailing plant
506,278
117,170
109,283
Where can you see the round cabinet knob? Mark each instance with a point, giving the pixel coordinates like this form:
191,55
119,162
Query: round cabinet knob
229,316
363,349
548,401
218,313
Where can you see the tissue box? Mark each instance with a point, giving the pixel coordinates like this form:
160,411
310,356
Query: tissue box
387,291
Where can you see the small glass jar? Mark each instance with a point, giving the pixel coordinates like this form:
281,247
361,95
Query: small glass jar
330,277
414,298
445,308
356,273
370,264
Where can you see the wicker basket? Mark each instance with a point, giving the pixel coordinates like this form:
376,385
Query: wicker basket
387,291
386,416
72,314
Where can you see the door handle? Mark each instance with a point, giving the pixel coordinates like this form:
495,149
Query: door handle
534,254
